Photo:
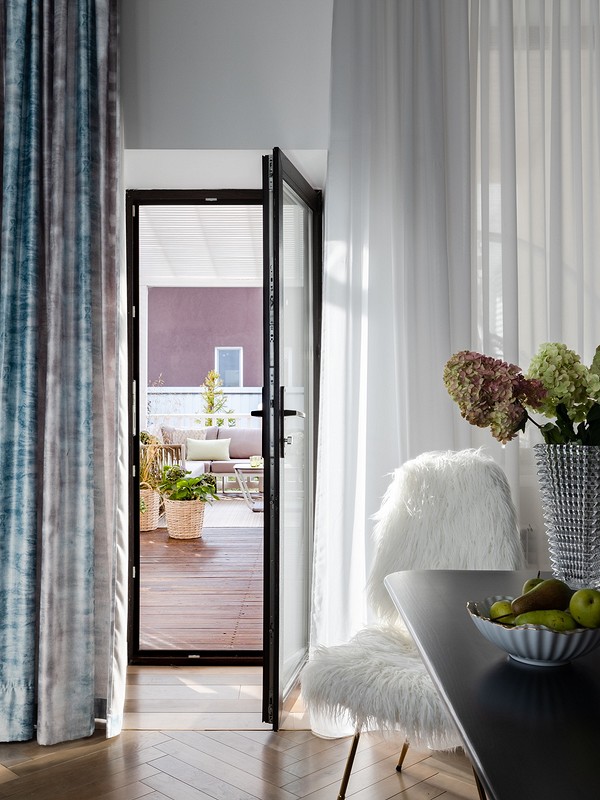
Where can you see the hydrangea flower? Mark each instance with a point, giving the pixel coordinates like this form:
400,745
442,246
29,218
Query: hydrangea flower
174,473
567,381
495,394
492,393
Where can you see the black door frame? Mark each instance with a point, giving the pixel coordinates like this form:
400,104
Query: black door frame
133,199
277,169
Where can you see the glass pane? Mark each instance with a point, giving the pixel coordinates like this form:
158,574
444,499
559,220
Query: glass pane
296,369
200,287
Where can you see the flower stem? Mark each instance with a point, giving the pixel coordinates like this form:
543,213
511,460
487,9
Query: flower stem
531,419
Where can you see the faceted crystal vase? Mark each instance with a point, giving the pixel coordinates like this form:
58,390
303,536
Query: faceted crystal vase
569,478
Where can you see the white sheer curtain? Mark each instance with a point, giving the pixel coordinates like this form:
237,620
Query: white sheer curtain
535,112
397,275
461,212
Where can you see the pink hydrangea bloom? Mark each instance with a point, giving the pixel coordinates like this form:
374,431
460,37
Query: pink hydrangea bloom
492,393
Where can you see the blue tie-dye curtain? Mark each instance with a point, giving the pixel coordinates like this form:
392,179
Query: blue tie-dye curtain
62,474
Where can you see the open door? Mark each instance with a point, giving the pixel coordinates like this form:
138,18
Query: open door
292,217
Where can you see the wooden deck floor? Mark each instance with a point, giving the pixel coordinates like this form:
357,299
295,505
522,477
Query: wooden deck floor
202,594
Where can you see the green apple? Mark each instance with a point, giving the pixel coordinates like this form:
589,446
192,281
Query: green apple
501,611
585,607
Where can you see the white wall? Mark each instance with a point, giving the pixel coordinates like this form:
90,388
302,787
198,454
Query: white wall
207,85
212,169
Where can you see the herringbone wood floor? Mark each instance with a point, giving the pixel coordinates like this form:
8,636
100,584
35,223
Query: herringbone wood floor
229,765
226,764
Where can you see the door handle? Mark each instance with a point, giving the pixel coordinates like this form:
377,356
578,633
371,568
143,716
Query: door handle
287,412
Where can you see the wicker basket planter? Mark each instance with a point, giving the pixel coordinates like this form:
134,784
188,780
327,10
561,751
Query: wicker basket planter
149,518
184,518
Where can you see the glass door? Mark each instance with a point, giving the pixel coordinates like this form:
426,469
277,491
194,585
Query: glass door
292,287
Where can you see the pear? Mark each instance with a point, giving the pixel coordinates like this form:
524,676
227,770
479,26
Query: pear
547,595
531,583
555,619
507,619
501,611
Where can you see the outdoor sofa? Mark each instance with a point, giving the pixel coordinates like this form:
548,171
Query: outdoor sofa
214,449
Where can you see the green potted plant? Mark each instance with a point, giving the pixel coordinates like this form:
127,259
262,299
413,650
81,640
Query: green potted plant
149,480
185,499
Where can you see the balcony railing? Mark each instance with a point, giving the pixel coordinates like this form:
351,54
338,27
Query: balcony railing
177,407
156,421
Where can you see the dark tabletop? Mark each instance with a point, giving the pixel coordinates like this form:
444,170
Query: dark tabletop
531,732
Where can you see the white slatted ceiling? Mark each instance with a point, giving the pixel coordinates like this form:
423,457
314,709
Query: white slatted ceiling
206,245
201,245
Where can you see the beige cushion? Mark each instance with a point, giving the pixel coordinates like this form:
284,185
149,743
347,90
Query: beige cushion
207,449
181,435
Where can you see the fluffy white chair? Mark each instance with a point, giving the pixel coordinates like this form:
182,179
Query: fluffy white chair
445,510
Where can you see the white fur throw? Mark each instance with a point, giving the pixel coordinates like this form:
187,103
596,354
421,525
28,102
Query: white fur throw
444,510
379,678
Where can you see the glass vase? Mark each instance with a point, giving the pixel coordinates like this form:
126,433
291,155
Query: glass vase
569,479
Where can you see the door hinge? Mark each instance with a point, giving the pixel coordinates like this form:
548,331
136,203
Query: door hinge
133,573
270,173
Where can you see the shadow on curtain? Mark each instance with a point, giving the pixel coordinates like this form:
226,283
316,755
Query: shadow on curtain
62,494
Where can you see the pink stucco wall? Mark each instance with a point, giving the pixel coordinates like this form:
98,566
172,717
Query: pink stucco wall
185,326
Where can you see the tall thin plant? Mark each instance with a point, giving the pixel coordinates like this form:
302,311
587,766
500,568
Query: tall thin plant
214,399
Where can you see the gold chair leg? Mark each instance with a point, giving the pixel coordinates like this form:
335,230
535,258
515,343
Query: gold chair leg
402,756
349,763
479,785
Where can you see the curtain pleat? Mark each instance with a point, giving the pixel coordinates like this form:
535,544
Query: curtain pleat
67,609
75,478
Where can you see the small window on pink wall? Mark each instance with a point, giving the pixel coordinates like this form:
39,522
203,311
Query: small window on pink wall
229,363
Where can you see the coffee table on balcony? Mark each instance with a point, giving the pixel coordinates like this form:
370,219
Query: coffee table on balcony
244,472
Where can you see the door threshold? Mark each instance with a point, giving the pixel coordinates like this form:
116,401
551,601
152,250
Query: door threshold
213,658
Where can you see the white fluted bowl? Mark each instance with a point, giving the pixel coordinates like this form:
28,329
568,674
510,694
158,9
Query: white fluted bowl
532,644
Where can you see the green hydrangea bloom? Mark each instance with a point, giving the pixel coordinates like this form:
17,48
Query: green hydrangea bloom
566,381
